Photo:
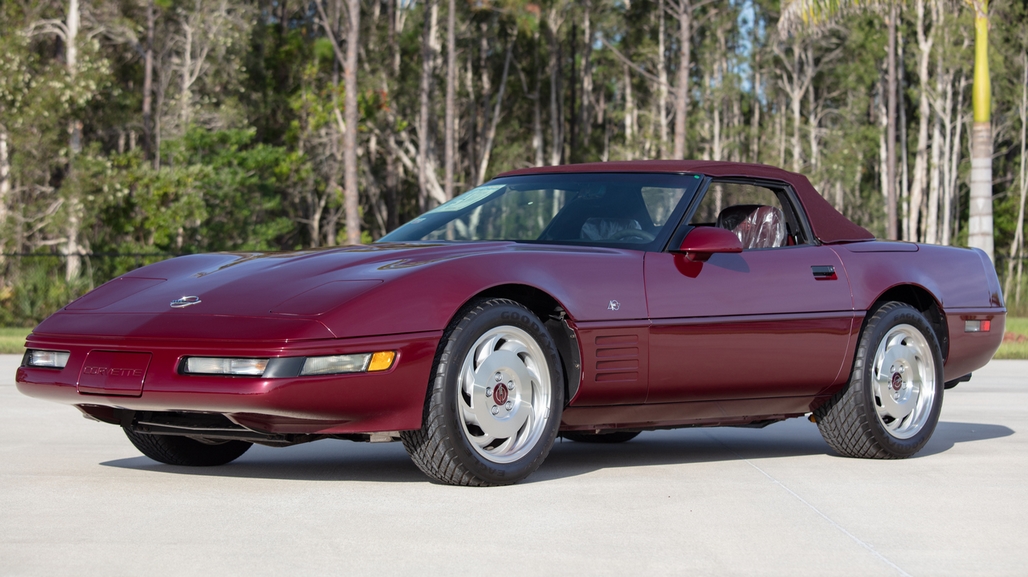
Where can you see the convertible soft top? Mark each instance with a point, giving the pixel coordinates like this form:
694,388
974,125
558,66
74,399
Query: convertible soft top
828,224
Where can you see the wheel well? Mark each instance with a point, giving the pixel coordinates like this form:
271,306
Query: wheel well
554,317
543,305
923,301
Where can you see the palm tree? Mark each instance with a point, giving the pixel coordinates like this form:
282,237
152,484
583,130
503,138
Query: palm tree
979,229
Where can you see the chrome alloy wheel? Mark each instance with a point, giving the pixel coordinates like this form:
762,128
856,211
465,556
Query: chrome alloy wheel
505,394
903,381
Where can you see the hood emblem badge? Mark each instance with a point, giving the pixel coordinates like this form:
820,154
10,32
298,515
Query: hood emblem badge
185,302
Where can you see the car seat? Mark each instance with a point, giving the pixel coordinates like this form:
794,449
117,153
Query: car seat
756,225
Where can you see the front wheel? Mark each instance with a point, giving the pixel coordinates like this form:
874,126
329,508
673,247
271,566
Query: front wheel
891,405
494,406
183,451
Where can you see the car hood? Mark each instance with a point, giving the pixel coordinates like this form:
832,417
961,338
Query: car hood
263,284
378,289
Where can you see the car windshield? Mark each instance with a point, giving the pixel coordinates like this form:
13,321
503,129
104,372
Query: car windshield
631,210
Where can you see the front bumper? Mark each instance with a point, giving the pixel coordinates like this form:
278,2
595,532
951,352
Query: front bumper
391,400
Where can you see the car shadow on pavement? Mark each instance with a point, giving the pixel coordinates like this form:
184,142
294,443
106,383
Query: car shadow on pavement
345,461
684,446
797,438
948,433
318,461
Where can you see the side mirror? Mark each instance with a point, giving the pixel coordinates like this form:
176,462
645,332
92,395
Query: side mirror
703,241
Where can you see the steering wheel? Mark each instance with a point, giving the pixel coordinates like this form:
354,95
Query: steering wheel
627,233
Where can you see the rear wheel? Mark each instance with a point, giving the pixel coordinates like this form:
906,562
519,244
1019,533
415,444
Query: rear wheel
891,405
612,437
494,406
183,451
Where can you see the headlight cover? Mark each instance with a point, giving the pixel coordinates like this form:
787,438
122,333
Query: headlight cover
225,366
336,364
46,359
283,367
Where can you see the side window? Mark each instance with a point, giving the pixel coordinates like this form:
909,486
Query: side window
761,217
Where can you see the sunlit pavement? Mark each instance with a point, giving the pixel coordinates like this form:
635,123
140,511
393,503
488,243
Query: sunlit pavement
77,499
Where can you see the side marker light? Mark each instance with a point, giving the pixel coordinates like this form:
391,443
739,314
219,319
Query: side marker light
381,361
977,326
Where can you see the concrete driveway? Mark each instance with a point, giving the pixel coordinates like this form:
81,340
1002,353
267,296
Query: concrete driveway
77,499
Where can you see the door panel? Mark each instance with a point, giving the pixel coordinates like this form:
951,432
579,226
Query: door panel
756,324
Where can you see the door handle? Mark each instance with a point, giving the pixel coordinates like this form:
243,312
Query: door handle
824,272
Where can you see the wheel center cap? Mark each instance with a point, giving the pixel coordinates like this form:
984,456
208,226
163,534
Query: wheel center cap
897,381
500,394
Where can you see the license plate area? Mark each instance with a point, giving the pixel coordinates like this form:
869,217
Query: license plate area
113,373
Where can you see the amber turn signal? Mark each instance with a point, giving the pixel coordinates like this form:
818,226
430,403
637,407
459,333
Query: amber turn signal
381,361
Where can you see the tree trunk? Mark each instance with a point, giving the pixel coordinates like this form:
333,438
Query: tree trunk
352,199
940,134
979,225
684,14
490,135
72,62
949,219
605,121
716,100
586,113
187,65
73,223
629,116
813,117
903,191
391,179
5,184
892,225
924,44
1017,244
573,83
883,148
473,131
451,89
148,144
755,122
556,108
537,105
931,228
796,101
662,84
425,94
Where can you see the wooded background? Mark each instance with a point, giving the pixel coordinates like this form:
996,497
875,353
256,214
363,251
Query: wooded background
132,130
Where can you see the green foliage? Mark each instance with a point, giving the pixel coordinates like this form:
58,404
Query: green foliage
12,340
222,191
38,292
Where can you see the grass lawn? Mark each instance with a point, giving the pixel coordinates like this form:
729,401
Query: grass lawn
12,341
1011,349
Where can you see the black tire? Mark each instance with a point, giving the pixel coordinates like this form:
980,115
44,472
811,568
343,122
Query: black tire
186,452
884,412
605,438
479,435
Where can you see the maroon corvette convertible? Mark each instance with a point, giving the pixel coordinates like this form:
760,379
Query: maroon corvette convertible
591,301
